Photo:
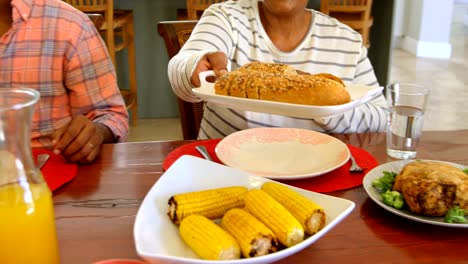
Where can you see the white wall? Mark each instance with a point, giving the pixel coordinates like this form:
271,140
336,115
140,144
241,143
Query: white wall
398,18
460,12
422,27
413,18
436,21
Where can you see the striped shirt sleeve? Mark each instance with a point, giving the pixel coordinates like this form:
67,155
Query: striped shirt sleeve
212,34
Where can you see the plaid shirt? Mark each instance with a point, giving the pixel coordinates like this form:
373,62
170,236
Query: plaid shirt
55,49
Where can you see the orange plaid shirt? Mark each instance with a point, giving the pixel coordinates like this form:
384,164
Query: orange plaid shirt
55,49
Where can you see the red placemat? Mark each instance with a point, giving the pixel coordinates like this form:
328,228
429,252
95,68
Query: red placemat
339,179
189,149
56,170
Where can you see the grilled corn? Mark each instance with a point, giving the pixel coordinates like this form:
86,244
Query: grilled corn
254,238
309,214
211,203
207,239
287,229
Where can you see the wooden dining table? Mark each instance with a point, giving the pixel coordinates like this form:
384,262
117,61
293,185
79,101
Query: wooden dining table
95,212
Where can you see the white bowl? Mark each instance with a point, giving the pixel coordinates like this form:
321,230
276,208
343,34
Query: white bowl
157,238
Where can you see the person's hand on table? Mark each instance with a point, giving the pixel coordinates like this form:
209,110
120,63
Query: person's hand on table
80,140
216,61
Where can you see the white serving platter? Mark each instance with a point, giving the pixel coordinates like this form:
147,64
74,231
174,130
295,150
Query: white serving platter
360,94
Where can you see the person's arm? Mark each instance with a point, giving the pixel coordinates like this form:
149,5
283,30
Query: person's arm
97,108
213,33
369,117
107,135
90,80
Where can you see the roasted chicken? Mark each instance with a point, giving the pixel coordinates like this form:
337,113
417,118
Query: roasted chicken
431,188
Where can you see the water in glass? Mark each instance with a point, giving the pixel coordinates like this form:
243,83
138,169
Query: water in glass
404,129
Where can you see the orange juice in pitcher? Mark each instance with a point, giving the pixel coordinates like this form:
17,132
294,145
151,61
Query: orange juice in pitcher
27,224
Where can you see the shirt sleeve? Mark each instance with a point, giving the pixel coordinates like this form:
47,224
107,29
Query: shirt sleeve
212,33
90,80
368,117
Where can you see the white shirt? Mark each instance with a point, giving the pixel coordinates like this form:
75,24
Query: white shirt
234,27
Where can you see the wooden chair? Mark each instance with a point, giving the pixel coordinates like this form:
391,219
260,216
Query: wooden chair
354,13
175,34
97,19
195,8
118,33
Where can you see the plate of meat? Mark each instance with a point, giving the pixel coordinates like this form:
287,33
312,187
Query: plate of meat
429,189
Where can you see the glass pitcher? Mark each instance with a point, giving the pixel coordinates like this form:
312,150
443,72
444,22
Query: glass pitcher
27,227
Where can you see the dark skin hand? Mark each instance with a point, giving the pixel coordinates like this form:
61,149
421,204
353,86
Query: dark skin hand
81,140
216,61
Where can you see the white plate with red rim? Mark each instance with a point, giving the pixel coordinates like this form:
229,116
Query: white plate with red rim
282,153
157,239
360,94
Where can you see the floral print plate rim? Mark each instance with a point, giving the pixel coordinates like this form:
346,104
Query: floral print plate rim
282,153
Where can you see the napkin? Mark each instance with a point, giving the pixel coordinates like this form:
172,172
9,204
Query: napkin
336,180
56,171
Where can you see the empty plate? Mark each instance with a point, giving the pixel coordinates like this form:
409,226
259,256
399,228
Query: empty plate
282,153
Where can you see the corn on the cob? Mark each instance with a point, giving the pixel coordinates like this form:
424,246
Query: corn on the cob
211,203
254,238
283,224
207,239
310,214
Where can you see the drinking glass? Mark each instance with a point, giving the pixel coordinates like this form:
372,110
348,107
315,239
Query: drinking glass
406,104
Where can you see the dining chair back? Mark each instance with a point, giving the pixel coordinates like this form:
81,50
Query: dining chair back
118,33
175,34
97,19
195,8
354,13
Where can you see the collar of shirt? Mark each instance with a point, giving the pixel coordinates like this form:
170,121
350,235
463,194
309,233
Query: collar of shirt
21,9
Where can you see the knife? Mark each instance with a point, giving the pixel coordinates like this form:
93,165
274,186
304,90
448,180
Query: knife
41,160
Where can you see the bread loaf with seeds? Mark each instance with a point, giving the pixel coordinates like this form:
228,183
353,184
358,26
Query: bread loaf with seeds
276,68
281,83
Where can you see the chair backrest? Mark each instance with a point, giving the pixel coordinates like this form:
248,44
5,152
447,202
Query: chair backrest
349,6
354,13
196,7
105,7
97,19
90,5
175,34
